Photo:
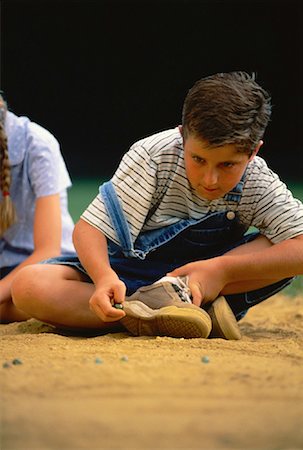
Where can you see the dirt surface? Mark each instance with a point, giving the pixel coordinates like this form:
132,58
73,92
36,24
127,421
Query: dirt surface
121,392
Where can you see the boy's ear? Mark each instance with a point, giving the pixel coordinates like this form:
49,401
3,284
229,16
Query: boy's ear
254,153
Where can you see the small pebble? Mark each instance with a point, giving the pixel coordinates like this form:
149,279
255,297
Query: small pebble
205,359
16,362
118,305
124,358
6,365
98,361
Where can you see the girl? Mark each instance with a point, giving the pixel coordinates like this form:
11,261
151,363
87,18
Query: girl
34,220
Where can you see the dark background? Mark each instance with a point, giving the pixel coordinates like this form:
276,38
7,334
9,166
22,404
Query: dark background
102,74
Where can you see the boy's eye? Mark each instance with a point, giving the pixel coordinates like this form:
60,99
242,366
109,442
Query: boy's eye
228,165
197,159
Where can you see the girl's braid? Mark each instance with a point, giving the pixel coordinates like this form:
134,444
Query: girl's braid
7,209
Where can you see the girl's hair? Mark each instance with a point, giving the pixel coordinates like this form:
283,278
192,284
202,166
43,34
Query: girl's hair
227,108
7,209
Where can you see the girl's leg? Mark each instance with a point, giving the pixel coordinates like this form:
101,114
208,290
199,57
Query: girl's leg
58,295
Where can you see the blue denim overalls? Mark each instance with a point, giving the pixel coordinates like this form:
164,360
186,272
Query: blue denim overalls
160,251
157,252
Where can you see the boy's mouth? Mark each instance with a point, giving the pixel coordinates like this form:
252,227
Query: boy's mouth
210,189
209,193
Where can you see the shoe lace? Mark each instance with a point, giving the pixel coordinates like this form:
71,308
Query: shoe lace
180,285
182,289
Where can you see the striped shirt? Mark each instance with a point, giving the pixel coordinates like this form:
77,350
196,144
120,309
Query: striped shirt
154,192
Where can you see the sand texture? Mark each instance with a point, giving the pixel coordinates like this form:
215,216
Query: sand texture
121,392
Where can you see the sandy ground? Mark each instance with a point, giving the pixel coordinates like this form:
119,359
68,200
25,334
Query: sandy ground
121,392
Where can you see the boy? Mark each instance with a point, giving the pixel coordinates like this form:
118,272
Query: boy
179,207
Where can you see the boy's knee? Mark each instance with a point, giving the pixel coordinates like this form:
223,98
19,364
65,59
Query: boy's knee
24,285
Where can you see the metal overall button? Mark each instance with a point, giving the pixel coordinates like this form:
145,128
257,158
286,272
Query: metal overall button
230,215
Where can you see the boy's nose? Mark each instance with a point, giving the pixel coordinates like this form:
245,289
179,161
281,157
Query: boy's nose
210,178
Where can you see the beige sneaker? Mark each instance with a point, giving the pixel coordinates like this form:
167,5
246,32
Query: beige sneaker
153,311
164,309
224,322
164,292
187,321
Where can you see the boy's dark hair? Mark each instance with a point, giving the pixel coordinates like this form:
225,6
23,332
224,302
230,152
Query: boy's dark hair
227,108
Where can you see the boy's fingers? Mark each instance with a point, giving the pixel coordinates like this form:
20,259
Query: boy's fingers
179,272
110,315
196,293
102,307
119,293
118,299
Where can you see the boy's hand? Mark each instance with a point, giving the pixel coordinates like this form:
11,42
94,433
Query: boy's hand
206,279
110,290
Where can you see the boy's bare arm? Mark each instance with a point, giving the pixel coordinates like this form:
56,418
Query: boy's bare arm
274,263
91,247
233,273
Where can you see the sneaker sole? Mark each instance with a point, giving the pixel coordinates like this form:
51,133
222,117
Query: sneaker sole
224,322
170,321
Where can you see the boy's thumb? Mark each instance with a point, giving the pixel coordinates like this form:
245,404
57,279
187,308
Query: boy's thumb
196,294
179,272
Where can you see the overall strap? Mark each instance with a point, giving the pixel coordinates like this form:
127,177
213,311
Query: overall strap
236,193
118,220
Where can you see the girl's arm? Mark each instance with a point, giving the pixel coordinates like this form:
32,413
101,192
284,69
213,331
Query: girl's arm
47,239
